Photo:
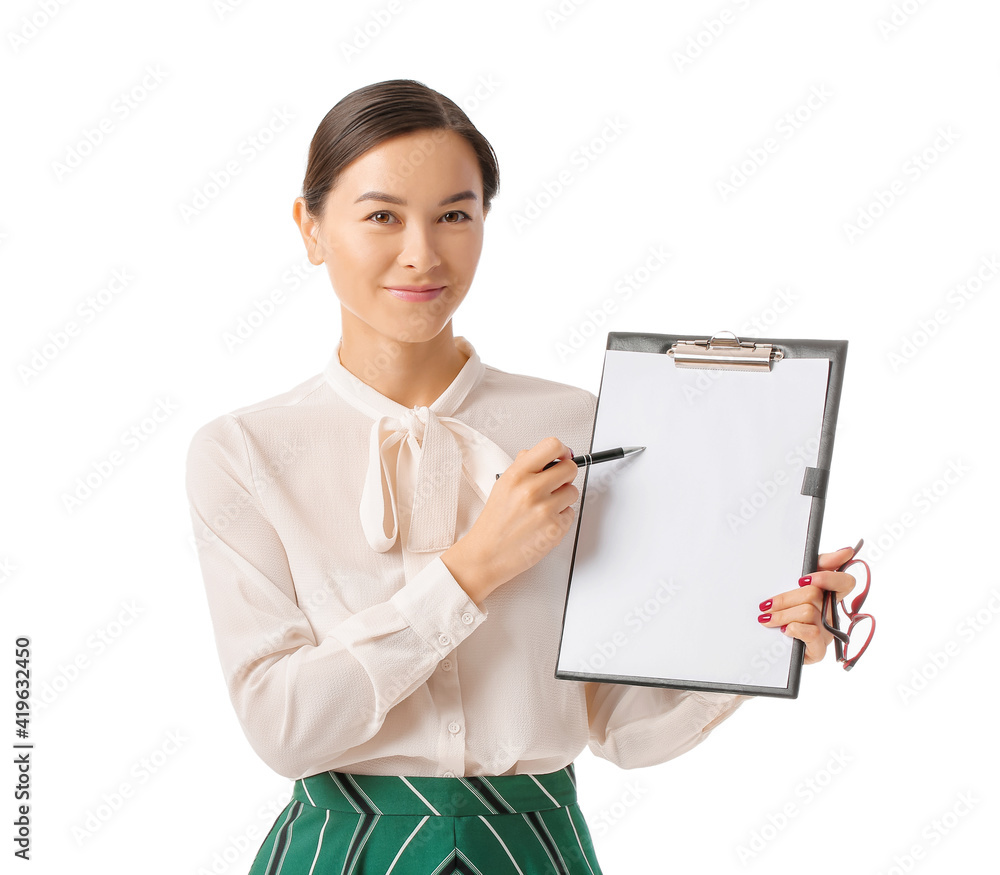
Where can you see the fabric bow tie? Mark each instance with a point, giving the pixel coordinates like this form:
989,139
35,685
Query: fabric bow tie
419,456
429,453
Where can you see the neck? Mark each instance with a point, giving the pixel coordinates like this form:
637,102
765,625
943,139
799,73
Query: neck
411,374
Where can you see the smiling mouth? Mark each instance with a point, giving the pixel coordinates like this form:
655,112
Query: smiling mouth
415,293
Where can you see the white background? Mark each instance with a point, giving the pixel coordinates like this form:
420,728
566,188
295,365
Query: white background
865,770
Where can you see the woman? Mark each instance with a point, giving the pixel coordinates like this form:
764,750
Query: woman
386,611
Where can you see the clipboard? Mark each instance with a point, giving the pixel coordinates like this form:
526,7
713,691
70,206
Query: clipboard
678,545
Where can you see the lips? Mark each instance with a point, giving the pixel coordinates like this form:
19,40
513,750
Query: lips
415,293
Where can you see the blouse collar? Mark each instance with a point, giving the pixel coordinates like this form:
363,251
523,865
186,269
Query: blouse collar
418,455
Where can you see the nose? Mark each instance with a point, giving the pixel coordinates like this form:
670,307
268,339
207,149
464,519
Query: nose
419,251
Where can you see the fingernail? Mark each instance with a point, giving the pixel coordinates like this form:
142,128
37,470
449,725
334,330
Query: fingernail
572,453
764,618
805,581
765,605
783,628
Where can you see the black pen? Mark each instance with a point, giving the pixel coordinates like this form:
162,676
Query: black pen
602,456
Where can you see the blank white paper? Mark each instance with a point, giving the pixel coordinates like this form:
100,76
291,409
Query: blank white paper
679,544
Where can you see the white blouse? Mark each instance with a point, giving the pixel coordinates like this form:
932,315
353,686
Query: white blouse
346,644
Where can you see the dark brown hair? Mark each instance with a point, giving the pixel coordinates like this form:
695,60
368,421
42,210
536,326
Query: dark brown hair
373,113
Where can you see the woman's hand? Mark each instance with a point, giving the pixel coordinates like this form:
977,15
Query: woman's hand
798,611
526,514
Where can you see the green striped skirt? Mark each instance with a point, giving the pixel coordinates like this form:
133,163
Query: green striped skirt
344,824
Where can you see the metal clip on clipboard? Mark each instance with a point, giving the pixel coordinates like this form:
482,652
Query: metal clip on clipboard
729,353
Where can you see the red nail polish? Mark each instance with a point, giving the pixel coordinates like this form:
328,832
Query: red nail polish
783,628
765,605
805,581
764,618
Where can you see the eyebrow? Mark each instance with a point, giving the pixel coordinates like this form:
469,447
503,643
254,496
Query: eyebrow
392,199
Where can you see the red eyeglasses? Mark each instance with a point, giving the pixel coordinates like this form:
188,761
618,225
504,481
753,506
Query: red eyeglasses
851,644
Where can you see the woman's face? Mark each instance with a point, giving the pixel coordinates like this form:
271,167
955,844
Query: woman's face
407,214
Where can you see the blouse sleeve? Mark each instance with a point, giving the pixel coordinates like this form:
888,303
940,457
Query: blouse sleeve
301,700
636,726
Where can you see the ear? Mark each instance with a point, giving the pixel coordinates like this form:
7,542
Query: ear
309,229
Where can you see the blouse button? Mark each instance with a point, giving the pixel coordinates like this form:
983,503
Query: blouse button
446,665
444,639
467,618
449,774
453,727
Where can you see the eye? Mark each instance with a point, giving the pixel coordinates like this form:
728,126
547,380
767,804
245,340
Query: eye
456,213
385,213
